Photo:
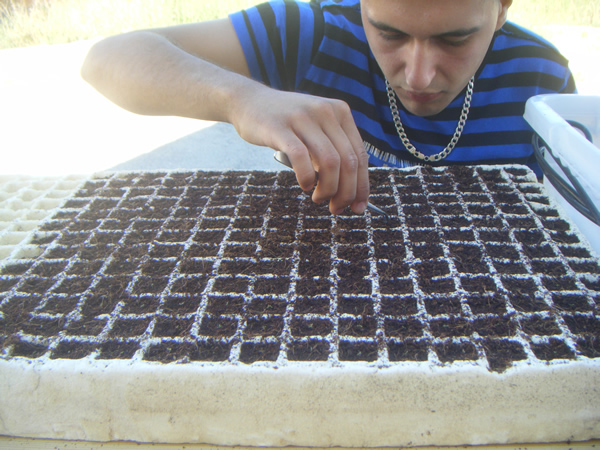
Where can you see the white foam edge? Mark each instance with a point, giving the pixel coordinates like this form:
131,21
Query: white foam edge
28,222
306,404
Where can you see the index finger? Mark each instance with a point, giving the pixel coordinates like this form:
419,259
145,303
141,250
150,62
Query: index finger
362,173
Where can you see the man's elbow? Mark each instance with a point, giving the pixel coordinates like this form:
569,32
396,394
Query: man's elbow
102,69
91,68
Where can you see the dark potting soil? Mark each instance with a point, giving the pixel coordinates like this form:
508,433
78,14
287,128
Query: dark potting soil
472,265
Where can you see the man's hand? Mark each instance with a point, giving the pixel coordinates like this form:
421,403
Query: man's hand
317,134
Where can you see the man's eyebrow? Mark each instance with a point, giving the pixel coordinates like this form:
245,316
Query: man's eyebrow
384,27
460,32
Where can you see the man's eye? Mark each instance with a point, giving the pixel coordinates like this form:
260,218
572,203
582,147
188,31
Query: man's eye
393,36
454,42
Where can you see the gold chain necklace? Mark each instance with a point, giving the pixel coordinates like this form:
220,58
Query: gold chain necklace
404,138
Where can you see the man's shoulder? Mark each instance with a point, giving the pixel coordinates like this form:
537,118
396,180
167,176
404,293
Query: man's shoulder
340,14
324,4
341,8
513,36
527,50
346,8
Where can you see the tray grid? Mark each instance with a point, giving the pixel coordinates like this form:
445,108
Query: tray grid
475,266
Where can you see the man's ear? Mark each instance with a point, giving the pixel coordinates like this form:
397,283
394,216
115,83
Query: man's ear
503,13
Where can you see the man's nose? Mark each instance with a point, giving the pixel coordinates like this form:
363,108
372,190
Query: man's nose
420,66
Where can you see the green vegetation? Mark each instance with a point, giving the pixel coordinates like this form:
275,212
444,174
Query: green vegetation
60,21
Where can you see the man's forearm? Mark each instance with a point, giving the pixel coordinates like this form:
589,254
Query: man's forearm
145,73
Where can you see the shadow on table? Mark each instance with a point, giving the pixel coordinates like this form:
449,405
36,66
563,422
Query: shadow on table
217,147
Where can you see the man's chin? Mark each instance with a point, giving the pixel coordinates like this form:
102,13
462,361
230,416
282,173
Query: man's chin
422,110
423,106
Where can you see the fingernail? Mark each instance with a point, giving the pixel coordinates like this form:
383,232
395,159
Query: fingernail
361,207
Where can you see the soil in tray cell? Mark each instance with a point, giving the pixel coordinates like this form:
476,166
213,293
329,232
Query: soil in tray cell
357,306
408,350
218,327
403,328
309,350
222,304
252,352
260,326
358,351
301,327
501,353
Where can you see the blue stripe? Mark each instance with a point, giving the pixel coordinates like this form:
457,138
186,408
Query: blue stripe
350,55
237,19
346,84
510,123
266,54
490,152
502,96
523,65
305,45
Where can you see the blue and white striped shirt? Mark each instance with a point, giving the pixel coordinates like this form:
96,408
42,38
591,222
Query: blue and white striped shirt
320,48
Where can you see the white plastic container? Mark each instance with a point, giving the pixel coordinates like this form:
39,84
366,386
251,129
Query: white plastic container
567,148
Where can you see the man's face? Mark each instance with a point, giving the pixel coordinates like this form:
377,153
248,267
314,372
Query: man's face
429,49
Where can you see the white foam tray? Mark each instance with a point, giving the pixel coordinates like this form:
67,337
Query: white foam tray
320,404
25,201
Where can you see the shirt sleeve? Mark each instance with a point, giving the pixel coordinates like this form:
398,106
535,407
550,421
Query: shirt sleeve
279,40
569,87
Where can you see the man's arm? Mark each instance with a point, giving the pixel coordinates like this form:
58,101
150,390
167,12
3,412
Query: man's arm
199,71
167,71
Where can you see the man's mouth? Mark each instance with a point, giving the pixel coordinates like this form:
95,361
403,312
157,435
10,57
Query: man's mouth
422,97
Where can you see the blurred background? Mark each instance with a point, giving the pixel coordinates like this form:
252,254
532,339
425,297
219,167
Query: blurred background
35,22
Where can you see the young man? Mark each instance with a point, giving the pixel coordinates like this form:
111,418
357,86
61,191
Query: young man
339,84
